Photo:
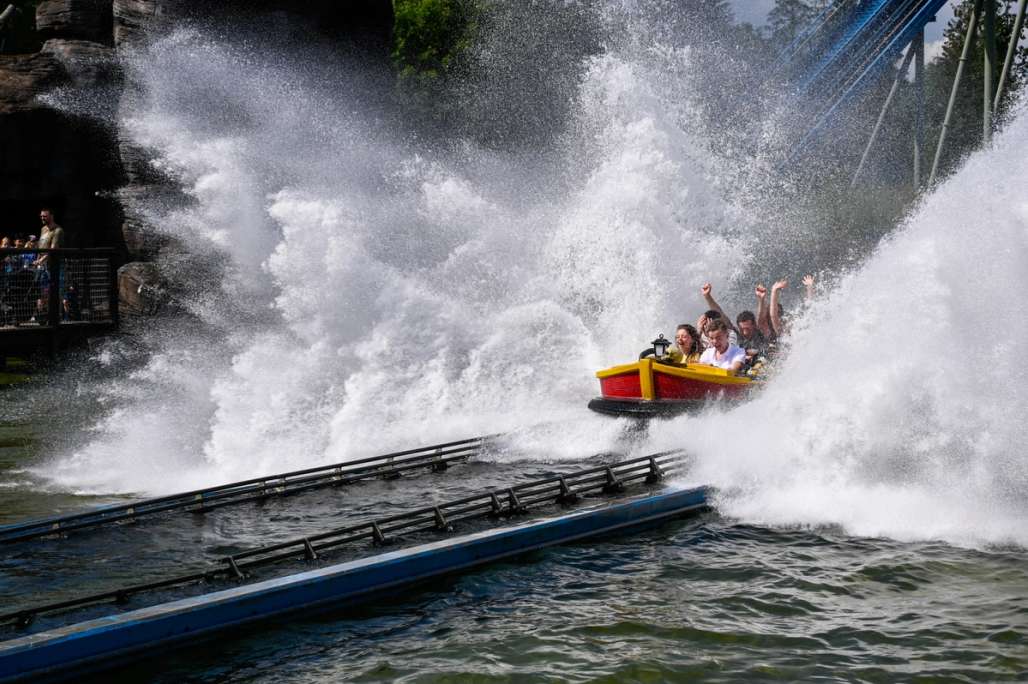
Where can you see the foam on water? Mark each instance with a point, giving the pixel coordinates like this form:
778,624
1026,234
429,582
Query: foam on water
900,410
370,291
375,292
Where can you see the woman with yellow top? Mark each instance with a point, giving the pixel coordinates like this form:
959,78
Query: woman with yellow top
688,347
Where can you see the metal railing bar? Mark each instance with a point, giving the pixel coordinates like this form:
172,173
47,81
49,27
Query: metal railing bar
423,519
481,501
364,468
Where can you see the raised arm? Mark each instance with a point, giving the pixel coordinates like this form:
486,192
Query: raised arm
763,315
808,284
776,318
708,296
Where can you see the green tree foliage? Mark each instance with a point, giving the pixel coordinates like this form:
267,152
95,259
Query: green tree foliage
430,36
890,160
788,18
19,34
966,130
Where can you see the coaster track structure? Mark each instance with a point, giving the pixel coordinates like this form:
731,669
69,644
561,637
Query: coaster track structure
850,43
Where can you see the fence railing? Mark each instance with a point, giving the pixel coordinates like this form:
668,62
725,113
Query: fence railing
52,288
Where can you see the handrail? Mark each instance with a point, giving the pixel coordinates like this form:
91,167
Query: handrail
435,456
58,250
563,489
85,291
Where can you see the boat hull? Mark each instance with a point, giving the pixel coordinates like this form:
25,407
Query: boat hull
649,388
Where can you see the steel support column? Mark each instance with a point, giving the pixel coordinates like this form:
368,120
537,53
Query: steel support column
972,24
900,75
989,52
918,47
1015,38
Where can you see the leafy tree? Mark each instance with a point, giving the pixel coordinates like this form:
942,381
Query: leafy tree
788,18
965,132
430,36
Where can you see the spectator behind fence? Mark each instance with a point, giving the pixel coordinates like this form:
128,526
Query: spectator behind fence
51,237
29,258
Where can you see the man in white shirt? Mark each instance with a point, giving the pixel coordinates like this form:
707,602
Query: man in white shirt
721,352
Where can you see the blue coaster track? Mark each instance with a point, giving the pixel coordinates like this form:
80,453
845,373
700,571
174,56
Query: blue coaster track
847,45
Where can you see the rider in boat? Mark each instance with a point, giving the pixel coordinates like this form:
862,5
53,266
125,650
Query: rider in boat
721,352
688,346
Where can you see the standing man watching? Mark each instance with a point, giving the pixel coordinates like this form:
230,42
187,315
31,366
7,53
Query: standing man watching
51,237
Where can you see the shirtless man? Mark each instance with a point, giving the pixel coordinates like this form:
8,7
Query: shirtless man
51,237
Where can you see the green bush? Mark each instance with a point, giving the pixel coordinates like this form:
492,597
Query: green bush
430,36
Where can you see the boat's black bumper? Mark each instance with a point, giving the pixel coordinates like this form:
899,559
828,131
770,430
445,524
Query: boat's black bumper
642,408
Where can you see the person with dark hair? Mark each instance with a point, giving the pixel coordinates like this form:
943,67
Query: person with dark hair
714,311
722,353
50,238
750,337
688,347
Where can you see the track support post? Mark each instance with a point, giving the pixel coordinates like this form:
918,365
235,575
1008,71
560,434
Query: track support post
656,474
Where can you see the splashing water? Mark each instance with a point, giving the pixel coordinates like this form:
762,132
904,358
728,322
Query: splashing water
900,410
373,291
377,292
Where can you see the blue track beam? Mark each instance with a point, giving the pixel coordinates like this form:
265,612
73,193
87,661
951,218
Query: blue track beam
108,641
876,56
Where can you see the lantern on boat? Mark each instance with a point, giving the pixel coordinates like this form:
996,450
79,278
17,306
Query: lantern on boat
660,346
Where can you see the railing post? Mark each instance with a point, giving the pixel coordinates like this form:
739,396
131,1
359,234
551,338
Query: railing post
54,266
113,299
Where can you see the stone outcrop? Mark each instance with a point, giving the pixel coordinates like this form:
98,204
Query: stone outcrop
132,18
88,65
59,107
51,156
24,77
142,240
141,289
138,21
75,19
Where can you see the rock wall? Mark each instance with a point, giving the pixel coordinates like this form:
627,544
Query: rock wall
81,167
51,157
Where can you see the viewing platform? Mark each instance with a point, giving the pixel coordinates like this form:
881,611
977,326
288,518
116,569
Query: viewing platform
53,298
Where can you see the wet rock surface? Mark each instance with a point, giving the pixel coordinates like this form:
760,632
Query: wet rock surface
77,19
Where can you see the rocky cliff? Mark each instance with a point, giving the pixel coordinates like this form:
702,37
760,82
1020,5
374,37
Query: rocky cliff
77,163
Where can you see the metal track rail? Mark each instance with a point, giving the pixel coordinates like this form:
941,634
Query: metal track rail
563,489
437,457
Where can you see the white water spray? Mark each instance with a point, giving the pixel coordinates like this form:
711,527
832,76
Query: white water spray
900,410
378,293
411,293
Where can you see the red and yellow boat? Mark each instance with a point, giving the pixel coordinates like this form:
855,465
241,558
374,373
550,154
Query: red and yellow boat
650,387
